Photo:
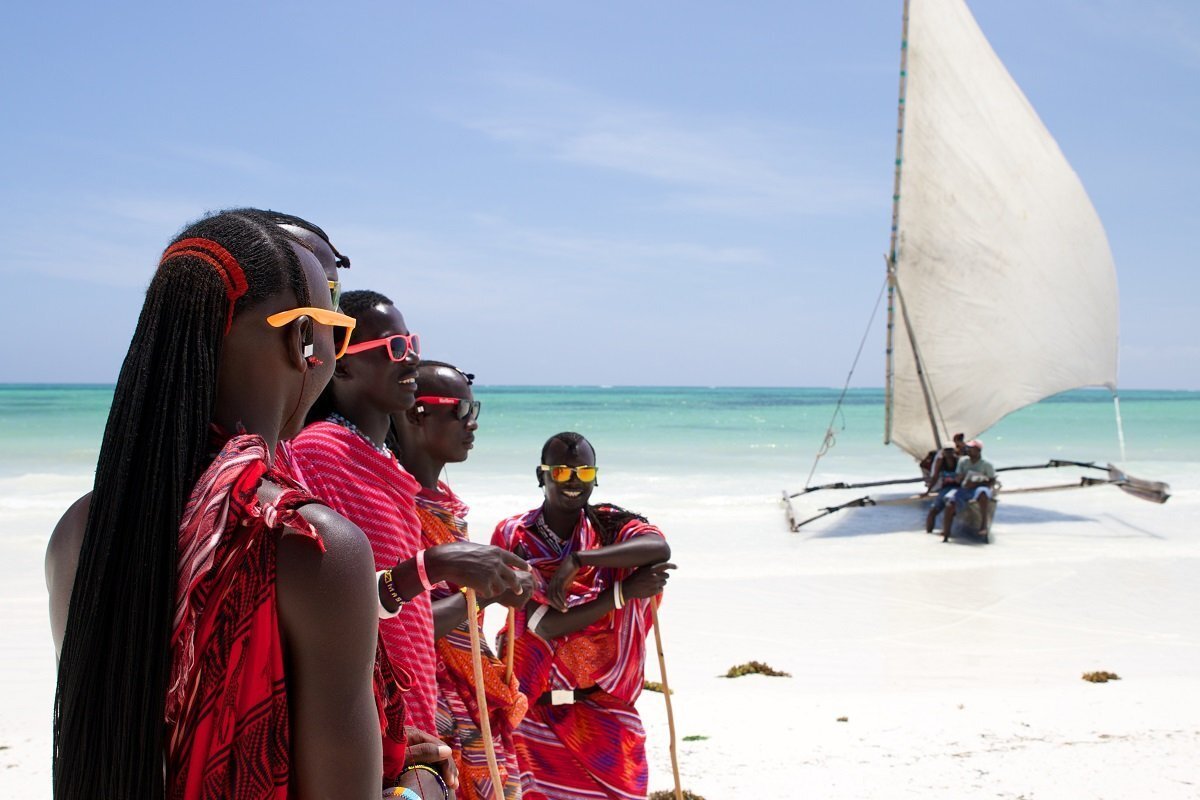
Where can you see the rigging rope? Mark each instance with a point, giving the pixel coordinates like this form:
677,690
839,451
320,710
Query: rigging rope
830,437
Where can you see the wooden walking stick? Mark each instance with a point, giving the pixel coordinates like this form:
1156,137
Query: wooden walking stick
485,724
662,671
510,645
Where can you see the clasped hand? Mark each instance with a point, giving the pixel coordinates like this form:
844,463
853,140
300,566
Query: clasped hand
491,571
646,581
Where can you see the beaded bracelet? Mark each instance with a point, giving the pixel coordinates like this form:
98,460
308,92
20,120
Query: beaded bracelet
384,578
437,777
464,590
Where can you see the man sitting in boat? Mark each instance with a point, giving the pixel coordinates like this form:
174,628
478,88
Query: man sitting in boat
931,464
942,472
942,481
976,479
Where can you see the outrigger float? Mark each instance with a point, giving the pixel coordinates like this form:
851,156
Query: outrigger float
1001,288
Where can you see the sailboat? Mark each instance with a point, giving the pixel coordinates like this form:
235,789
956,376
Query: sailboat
1001,288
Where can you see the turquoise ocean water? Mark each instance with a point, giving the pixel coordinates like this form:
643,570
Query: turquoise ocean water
772,433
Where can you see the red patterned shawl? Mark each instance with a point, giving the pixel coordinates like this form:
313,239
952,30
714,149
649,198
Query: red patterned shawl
227,706
594,748
443,520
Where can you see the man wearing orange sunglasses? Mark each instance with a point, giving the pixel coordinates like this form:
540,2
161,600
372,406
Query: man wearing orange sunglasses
581,646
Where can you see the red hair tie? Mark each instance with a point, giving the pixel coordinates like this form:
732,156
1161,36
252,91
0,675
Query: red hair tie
220,259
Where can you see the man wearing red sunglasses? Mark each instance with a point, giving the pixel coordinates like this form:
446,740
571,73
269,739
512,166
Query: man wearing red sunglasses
344,459
439,430
581,643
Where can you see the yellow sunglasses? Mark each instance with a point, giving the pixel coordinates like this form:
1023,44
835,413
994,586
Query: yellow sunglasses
561,473
342,325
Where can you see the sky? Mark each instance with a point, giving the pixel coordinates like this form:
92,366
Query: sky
555,192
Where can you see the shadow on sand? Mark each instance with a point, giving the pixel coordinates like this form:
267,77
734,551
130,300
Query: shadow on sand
907,518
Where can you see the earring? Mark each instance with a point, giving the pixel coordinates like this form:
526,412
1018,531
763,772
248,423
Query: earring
312,360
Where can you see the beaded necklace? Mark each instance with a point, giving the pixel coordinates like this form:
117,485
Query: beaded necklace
338,419
548,535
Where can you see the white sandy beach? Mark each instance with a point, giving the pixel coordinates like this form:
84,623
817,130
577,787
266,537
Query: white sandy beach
957,667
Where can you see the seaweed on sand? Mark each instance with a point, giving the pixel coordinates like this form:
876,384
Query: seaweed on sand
1101,676
755,668
654,686
669,794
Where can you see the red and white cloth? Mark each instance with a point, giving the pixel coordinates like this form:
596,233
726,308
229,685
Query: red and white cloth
373,491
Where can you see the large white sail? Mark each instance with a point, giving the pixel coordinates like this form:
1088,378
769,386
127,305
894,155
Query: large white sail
1002,264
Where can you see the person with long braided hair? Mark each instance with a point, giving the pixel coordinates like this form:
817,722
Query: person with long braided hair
217,628
439,430
580,643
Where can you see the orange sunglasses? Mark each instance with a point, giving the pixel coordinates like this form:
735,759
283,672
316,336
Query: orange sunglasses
342,325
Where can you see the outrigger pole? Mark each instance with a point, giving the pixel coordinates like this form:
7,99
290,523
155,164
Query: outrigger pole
1153,491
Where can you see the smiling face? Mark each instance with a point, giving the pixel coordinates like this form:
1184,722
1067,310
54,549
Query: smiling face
574,494
371,377
444,436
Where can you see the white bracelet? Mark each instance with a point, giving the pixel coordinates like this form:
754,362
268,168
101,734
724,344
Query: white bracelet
535,619
618,595
383,610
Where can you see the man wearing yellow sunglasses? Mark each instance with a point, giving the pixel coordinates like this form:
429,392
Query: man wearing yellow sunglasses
580,653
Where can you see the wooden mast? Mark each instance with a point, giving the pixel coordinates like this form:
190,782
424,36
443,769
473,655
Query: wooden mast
894,294
891,261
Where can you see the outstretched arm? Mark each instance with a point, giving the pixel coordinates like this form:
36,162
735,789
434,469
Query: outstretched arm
329,617
488,570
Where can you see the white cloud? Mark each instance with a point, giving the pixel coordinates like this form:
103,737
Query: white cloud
576,248
741,167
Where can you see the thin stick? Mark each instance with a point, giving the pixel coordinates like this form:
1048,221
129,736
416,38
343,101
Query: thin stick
510,645
662,671
485,724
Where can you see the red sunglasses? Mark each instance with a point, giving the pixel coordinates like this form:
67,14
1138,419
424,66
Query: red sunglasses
399,346
463,409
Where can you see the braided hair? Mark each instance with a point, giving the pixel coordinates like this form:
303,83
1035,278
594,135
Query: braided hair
279,218
109,706
572,440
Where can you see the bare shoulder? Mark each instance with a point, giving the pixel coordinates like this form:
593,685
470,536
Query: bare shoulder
62,559
337,584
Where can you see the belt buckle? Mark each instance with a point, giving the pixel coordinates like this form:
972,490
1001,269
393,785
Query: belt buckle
562,697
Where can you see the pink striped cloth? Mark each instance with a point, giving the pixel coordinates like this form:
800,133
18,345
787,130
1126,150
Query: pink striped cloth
596,747
374,492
